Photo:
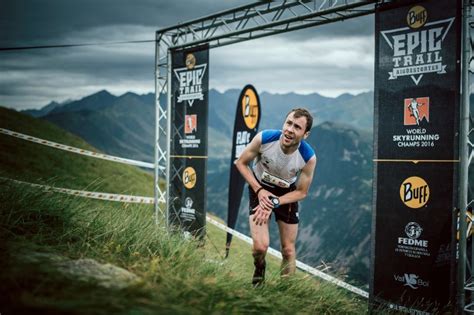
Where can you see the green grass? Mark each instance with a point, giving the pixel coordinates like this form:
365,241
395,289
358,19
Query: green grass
36,163
177,276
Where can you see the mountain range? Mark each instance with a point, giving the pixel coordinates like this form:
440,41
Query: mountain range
335,217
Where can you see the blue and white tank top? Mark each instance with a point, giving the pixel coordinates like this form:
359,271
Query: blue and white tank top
275,168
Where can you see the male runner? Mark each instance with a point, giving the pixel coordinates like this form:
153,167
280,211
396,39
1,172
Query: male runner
281,175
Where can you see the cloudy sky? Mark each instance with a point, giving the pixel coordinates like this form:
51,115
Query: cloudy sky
330,59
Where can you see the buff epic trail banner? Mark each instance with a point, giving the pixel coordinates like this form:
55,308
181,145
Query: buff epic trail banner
247,118
188,147
417,82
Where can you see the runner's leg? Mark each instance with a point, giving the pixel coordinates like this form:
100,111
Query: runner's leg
261,241
288,233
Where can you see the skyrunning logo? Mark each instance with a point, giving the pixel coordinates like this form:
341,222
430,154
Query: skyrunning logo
416,110
417,48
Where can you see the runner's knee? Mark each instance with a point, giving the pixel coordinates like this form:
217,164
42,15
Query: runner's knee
288,251
260,248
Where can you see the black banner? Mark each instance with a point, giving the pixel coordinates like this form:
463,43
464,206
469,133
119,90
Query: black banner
188,155
417,82
247,118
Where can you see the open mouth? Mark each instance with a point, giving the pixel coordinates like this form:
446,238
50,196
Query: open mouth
287,138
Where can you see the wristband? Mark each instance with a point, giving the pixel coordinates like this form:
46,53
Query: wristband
275,201
258,190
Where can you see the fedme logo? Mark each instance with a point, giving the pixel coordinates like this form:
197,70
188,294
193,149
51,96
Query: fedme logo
413,230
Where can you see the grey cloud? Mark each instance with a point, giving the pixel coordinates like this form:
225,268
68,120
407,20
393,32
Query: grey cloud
33,78
25,22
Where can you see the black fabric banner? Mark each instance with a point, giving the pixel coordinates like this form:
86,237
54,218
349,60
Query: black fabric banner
247,118
188,155
416,125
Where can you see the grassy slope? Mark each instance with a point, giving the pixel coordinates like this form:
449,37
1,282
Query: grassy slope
36,163
177,276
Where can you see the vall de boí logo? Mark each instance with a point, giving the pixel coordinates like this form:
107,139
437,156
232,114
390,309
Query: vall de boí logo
417,48
190,80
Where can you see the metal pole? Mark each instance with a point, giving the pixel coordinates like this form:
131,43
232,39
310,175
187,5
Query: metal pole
463,155
157,124
168,139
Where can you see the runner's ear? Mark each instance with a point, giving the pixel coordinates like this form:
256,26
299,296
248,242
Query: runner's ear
306,134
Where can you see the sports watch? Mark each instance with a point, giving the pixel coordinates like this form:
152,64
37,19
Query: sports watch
275,201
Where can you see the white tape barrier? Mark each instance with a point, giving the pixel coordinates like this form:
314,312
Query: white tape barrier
299,264
243,237
77,150
89,194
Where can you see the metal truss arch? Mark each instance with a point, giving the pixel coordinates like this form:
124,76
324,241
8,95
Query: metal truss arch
262,19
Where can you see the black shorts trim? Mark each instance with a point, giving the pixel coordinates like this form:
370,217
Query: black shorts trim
287,213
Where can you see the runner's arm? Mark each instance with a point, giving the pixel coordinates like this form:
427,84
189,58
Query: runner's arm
302,186
242,163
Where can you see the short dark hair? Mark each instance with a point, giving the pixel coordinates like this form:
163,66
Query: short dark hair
302,112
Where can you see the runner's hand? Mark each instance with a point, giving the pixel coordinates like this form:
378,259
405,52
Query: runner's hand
261,215
264,200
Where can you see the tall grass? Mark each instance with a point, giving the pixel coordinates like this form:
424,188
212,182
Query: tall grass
177,276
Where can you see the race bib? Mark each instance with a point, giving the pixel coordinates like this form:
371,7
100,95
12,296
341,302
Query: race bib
275,180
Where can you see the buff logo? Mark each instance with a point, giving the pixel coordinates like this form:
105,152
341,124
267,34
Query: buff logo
414,192
250,108
417,48
190,80
189,177
417,16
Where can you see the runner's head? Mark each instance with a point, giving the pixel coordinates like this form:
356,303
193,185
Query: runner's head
302,112
296,127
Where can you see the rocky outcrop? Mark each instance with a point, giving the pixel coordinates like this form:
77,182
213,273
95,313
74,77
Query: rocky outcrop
86,270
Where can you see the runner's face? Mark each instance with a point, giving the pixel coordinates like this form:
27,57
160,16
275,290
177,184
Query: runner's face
294,130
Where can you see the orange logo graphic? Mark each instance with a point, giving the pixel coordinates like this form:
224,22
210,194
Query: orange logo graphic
189,177
190,123
414,192
415,110
250,108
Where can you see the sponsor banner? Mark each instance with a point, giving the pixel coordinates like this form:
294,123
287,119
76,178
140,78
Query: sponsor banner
417,81
188,156
412,248
247,118
416,149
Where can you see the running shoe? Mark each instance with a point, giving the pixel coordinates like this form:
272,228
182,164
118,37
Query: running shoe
258,274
